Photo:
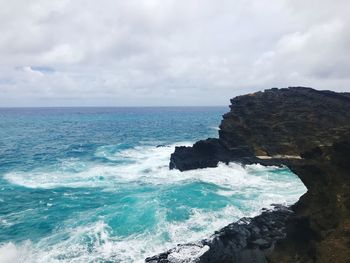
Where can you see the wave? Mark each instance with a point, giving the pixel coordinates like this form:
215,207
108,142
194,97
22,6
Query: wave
95,242
245,190
149,164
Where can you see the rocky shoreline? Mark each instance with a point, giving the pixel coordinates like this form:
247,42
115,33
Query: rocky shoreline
304,129
247,240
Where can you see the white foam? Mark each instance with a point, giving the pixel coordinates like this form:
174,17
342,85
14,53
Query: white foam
95,242
148,164
10,253
253,186
187,253
146,161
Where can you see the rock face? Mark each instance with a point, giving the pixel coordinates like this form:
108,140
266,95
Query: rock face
275,123
320,229
206,153
307,130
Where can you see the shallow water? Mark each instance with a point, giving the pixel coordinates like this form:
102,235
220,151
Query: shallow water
90,185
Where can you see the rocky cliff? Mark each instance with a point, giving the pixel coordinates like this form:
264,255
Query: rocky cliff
307,130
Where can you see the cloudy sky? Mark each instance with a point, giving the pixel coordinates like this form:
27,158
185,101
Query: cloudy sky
168,52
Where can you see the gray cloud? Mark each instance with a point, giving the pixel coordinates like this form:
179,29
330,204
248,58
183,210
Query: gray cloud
168,52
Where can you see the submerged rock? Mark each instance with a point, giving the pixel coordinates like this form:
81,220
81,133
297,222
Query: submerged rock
307,130
162,145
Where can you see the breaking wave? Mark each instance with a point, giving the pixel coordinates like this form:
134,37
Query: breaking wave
153,209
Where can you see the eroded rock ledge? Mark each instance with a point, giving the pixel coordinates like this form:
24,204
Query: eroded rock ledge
307,130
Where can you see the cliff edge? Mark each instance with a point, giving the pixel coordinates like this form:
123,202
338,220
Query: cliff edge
307,130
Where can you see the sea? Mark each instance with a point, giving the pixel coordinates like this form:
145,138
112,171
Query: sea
94,185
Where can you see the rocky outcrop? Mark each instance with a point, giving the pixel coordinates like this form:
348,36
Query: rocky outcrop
207,153
273,124
248,240
307,130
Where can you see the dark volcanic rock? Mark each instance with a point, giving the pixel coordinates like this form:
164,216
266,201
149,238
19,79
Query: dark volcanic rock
248,240
207,153
274,123
307,130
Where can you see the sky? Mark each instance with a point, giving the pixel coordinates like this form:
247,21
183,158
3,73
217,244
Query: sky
168,52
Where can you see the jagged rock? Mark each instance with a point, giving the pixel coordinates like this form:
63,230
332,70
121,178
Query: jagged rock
239,242
208,153
307,130
273,125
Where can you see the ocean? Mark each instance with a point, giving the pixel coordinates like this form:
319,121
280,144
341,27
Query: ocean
94,185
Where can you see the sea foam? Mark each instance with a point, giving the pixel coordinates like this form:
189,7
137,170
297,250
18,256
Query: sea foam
79,239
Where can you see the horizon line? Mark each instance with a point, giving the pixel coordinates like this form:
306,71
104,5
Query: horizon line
60,107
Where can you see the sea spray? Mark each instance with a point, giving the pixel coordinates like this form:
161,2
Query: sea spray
105,193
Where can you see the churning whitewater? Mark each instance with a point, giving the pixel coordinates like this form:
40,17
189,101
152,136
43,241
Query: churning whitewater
106,194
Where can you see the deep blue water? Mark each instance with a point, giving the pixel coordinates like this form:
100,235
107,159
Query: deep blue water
90,185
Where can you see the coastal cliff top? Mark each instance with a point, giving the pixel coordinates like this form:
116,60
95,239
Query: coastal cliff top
271,126
286,121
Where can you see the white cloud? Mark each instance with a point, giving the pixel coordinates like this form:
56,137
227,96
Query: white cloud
168,52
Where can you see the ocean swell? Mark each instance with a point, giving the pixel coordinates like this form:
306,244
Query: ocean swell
142,208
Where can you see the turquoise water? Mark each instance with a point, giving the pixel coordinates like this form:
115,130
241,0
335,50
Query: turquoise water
91,185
